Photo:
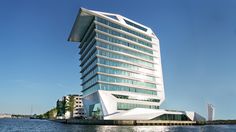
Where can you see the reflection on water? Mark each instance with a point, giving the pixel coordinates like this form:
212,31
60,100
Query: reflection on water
133,128
147,129
27,125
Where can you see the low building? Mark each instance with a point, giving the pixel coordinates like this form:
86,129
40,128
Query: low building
70,106
78,107
5,116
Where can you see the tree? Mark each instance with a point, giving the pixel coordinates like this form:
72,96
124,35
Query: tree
71,105
51,114
60,107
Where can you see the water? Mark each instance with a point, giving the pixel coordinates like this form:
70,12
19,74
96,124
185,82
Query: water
27,125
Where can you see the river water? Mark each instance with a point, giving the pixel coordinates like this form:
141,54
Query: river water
28,125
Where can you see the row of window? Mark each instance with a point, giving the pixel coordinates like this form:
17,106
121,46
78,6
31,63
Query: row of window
90,90
123,65
90,74
172,117
135,25
124,57
91,35
125,43
89,52
115,72
85,49
124,50
87,69
89,31
132,98
111,79
84,65
124,73
90,82
101,28
110,87
122,28
128,106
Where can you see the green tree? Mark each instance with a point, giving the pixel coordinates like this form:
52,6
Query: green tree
51,114
71,105
60,107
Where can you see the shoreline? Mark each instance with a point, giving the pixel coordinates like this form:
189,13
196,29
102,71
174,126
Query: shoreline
144,122
136,122
128,122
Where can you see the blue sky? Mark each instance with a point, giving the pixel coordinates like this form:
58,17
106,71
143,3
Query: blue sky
197,38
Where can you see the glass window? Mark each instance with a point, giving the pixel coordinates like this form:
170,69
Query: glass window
111,79
88,51
85,64
90,67
90,82
95,111
124,50
125,43
122,28
128,106
90,75
180,117
112,16
123,65
111,87
133,98
101,28
125,57
90,37
125,73
135,25
90,89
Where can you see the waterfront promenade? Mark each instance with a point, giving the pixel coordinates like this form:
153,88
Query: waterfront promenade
32,125
128,122
145,122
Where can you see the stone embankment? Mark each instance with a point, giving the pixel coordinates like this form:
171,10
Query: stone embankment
127,122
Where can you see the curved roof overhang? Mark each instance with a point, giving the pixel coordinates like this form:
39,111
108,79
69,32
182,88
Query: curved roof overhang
82,22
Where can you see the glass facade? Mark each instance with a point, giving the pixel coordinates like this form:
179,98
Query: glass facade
122,64
135,25
119,56
124,50
111,87
118,34
133,98
125,73
95,111
125,43
104,21
128,106
111,79
115,58
176,117
114,71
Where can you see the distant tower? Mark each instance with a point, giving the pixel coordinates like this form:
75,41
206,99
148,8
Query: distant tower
211,112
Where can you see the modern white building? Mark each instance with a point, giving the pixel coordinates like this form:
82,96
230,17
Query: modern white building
121,68
210,112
